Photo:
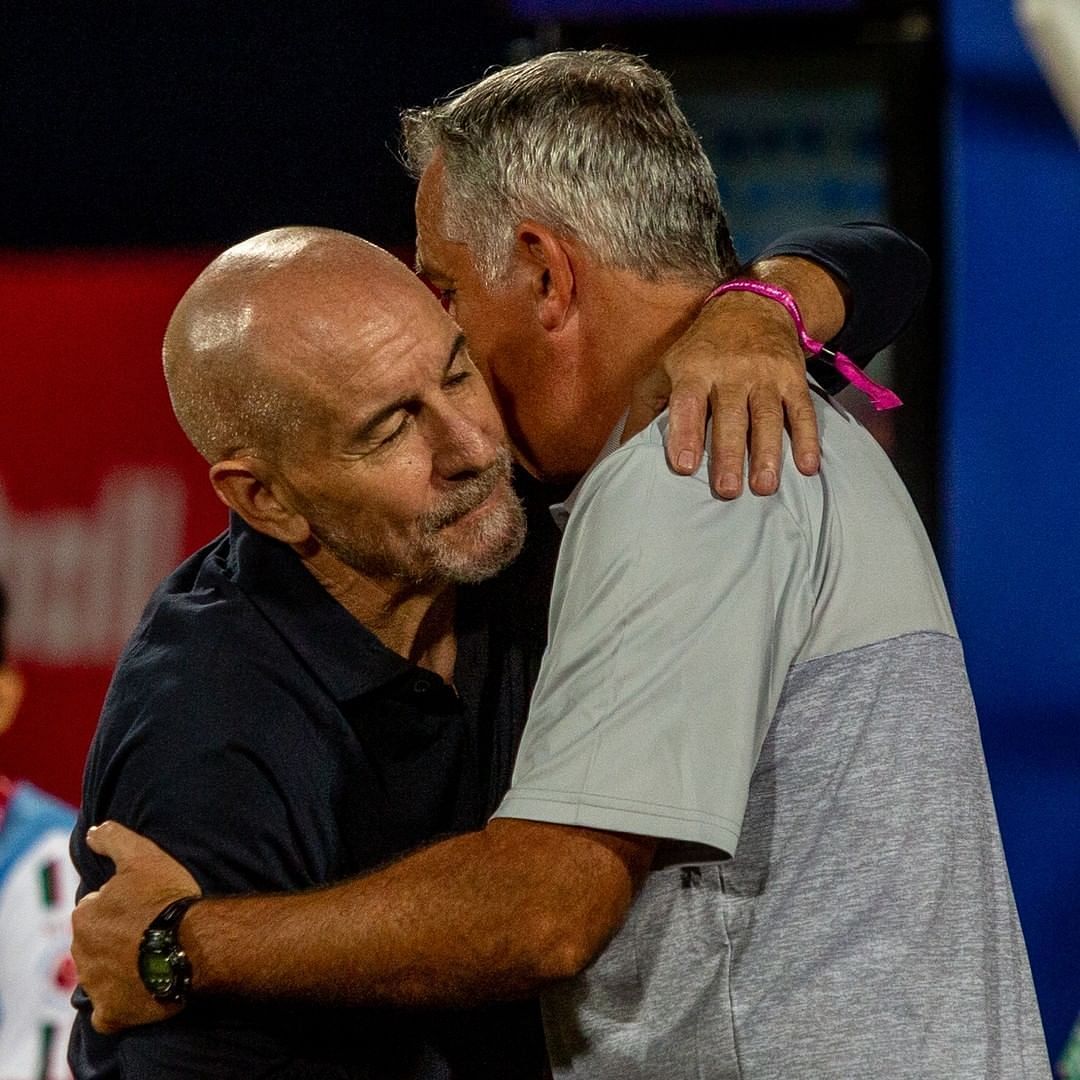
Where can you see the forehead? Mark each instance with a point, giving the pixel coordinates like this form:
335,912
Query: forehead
436,254
353,337
342,311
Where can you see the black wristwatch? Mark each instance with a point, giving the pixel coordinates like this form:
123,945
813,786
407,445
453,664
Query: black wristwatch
163,966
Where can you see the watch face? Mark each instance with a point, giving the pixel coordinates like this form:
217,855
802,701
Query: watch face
163,966
156,969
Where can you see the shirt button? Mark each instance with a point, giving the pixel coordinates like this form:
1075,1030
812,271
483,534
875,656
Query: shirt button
421,686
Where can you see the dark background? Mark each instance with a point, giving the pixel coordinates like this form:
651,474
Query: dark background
202,121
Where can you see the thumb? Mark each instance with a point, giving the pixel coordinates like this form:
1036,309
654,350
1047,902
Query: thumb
119,843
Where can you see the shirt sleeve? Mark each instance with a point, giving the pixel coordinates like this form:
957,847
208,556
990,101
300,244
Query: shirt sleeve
215,769
886,274
209,767
674,620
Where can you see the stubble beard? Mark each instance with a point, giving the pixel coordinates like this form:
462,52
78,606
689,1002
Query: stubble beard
489,544
493,541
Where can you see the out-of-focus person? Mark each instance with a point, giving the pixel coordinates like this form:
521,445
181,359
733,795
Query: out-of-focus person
37,892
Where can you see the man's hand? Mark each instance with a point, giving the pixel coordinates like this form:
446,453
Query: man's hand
741,361
109,924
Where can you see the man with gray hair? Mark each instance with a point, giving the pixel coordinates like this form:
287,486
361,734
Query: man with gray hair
750,832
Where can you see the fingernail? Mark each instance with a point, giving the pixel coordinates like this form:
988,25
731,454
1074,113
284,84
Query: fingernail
767,478
728,484
686,461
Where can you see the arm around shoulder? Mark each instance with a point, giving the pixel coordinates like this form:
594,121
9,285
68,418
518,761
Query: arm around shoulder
883,273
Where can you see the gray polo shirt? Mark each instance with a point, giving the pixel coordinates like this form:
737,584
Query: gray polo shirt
774,688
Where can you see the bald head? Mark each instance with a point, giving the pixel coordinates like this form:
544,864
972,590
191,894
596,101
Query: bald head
265,322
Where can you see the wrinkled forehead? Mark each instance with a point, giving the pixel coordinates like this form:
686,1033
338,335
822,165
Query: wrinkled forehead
328,308
351,339
323,329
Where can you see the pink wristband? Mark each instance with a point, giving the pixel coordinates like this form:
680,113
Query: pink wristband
881,397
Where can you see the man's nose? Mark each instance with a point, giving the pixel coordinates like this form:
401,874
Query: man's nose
466,445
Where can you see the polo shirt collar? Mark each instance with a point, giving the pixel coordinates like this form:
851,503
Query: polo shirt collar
341,652
561,511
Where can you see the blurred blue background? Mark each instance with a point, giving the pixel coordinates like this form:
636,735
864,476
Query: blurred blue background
1010,512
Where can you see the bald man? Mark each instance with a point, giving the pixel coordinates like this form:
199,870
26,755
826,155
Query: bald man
329,684
309,695
333,682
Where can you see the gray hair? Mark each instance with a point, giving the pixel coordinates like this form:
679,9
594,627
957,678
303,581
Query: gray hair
591,144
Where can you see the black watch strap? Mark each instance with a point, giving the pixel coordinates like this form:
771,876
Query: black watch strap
164,967
169,917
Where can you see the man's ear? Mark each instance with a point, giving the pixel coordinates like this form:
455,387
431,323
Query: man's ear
245,484
12,687
549,263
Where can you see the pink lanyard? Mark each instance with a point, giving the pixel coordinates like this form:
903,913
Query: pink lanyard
881,397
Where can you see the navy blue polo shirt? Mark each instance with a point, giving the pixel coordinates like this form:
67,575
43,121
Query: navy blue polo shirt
261,735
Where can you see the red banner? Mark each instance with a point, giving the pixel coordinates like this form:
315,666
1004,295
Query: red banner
100,493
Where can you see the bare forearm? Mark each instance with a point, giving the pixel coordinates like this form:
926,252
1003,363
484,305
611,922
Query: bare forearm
822,298
493,914
884,275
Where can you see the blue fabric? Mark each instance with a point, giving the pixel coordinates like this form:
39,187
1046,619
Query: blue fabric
31,814
1010,516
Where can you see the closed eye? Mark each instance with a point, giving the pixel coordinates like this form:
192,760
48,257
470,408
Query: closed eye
389,428
459,368
397,432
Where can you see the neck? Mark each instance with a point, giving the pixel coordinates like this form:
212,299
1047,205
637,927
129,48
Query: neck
415,621
626,326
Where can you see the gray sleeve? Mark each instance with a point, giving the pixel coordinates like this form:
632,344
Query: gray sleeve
674,620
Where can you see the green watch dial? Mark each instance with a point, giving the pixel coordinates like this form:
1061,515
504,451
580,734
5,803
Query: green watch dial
163,965
156,969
